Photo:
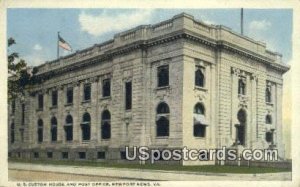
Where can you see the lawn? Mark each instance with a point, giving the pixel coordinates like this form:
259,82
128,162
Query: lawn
202,169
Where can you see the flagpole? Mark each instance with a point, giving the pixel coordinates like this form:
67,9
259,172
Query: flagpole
57,45
242,21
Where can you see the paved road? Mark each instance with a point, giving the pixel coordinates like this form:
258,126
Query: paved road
142,174
24,175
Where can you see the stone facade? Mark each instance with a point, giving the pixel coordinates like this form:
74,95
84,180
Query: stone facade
182,44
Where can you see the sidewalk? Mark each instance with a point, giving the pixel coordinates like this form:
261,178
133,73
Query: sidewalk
158,175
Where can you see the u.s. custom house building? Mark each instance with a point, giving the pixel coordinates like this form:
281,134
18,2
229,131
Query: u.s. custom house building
176,83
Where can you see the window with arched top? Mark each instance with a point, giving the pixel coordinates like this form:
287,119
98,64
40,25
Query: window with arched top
105,125
200,123
53,129
40,130
162,108
199,109
199,77
242,86
268,119
68,127
162,119
86,127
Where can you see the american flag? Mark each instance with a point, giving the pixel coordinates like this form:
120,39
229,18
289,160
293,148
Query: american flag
63,44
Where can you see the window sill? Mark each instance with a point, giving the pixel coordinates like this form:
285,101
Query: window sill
69,104
162,137
200,88
269,103
85,141
199,138
53,107
39,110
86,101
105,98
163,87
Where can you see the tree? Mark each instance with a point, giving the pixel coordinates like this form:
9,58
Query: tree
19,75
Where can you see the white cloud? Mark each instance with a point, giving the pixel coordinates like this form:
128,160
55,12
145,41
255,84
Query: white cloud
37,47
260,25
97,25
207,21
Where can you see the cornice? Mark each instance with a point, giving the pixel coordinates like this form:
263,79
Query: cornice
144,44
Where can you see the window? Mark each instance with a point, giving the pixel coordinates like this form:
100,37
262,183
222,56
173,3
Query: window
23,114
199,77
69,95
106,88
40,130
242,86
199,121
13,106
86,126
241,128
105,127
65,155
36,155
163,76
199,109
87,92
68,127
268,94
54,98
123,155
269,137
162,122
40,102
53,129
82,155
128,95
12,133
101,155
49,155
268,119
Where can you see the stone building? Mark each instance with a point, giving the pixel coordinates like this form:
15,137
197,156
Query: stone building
177,83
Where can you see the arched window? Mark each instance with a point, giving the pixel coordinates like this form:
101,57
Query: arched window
40,130
68,127
162,122
86,126
53,129
105,125
12,133
162,108
199,77
199,109
268,94
268,119
242,86
199,120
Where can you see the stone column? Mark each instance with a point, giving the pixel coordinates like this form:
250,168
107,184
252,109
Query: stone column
253,109
234,98
77,99
94,111
278,120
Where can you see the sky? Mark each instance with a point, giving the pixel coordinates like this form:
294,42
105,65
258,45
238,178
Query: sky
35,32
